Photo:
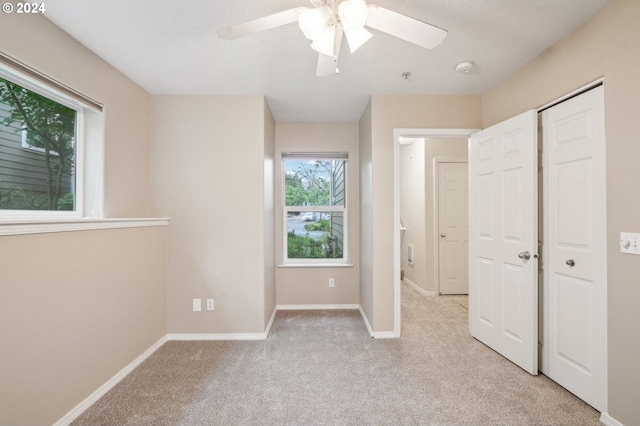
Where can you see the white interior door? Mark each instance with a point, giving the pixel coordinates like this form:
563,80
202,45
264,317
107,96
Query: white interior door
503,238
453,228
575,246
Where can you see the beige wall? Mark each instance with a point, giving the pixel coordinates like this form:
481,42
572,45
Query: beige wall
200,145
412,212
606,46
388,112
208,176
310,286
35,41
77,307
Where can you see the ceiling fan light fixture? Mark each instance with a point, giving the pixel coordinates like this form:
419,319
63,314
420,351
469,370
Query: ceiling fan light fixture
353,14
357,37
313,22
328,20
325,43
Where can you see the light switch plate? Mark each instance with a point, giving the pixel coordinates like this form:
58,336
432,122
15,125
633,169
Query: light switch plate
630,242
197,305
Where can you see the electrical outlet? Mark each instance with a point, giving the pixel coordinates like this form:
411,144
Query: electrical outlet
209,304
197,305
332,282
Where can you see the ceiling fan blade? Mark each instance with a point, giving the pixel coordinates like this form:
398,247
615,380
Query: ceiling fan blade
328,65
404,27
261,24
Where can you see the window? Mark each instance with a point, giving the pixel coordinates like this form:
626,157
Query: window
42,147
315,208
29,144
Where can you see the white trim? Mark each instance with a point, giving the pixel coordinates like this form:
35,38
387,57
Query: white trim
50,89
571,94
606,419
366,321
397,238
226,336
377,334
316,265
344,209
270,323
418,288
398,134
102,390
338,156
39,79
21,227
316,307
254,336
93,164
432,133
385,335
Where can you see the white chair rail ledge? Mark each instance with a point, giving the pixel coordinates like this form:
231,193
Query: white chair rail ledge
43,226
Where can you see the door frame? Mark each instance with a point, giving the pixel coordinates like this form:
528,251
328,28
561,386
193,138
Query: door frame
436,213
398,134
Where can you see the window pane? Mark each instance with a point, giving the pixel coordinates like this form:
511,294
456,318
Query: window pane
37,151
314,182
315,235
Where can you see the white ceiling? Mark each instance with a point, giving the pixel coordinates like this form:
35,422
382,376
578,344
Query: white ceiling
171,47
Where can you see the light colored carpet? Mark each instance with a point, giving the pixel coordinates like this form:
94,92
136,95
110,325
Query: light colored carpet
322,368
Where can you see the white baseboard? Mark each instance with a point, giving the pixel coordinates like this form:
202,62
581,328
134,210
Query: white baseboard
253,336
366,321
418,288
91,399
225,336
102,390
315,307
385,335
376,334
270,324
606,419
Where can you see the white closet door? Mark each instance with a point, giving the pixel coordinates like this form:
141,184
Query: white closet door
453,228
575,246
503,239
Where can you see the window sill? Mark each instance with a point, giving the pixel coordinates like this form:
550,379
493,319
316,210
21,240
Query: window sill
316,265
44,226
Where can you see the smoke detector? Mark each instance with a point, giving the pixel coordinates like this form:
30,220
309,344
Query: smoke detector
465,67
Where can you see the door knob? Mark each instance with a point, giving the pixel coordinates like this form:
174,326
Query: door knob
524,255
443,235
570,262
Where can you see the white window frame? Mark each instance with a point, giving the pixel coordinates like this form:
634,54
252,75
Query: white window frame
315,262
88,187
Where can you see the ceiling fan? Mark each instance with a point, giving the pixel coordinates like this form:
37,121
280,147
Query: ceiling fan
326,22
